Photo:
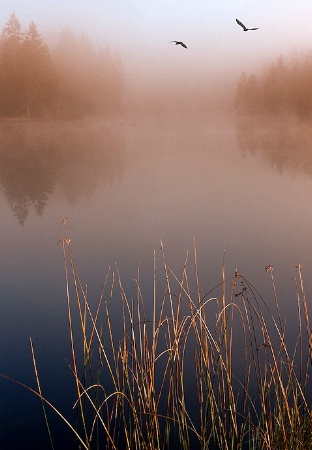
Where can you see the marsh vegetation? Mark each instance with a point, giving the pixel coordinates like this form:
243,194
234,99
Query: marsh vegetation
186,368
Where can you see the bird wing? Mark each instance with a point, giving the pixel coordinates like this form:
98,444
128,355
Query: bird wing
241,24
180,43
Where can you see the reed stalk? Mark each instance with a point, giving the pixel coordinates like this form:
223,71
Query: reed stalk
165,374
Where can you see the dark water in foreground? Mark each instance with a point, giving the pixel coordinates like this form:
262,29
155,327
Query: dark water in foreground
124,186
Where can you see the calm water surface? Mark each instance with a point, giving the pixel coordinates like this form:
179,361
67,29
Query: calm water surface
123,186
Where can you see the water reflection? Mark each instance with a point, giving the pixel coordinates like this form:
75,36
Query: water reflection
36,157
180,178
284,142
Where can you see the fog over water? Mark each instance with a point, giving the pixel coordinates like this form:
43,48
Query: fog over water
145,181
140,32
144,141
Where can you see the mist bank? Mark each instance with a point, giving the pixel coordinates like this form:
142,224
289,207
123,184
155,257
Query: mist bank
71,77
72,80
283,87
162,102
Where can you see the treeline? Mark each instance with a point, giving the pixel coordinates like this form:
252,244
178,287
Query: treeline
284,87
72,80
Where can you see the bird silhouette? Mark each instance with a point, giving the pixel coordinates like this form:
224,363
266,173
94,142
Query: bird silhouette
243,26
179,43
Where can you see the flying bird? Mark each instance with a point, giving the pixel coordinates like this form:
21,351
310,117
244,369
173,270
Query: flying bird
179,43
243,26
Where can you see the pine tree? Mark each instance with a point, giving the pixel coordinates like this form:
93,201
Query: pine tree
39,80
27,82
12,101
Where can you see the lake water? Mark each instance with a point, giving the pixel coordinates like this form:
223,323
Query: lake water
243,189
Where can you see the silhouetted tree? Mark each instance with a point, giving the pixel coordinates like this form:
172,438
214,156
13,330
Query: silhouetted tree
39,80
284,87
12,99
77,81
301,88
27,83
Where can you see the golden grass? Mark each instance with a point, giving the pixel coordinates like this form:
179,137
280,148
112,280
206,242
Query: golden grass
186,369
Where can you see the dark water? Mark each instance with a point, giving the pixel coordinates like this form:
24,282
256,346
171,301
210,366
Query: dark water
124,185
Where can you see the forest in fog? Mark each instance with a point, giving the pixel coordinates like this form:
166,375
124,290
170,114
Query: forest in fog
71,80
283,87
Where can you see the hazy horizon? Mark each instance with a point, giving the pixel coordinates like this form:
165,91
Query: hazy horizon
141,31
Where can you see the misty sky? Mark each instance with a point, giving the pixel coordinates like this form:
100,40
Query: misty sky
141,30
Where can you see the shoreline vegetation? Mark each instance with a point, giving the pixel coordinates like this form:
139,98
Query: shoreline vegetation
282,88
184,369
70,80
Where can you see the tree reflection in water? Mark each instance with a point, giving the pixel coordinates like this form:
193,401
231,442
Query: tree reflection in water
283,141
38,156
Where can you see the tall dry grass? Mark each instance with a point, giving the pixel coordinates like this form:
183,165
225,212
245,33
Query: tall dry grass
183,369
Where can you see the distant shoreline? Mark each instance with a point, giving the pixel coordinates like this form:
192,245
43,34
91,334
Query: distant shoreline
15,119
